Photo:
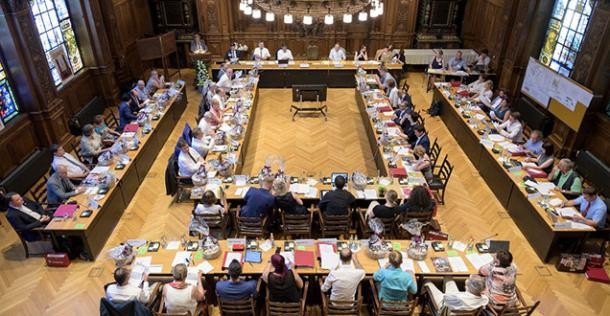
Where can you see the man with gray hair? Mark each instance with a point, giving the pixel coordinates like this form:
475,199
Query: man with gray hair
59,187
455,300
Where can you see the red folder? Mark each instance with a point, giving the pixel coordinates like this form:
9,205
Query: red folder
384,109
518,154
390,124
132,127
65,210
535,173
398,172
597,274
303,258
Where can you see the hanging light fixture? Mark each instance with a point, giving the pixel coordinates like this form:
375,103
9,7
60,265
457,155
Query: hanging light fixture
248,10
362,16
269,17
329,18
347,18
242,6
373,12
288,19
307,19
250,1
380,8
256,13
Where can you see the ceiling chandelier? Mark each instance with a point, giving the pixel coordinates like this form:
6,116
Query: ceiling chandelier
306,11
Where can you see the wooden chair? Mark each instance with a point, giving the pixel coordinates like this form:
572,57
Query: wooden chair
250,226
184,184
439,181
435,152
423,217
216,222
522,308
389,224
75,146
26,248
39,191
313,52
344,308
429,308
111,121
288,309
237,308
334,225
156,291
420,119
389,307
297,224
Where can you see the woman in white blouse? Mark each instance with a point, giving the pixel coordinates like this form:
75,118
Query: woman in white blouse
179,296
199,143
486,93
476,86
393,96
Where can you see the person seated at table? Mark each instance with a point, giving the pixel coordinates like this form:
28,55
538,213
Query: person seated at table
284,53
457,63
155,82
60,188
216,113
533,146
545,159
226,80
198,45
500,280
199,143
361,54
455,300
25,215
206,125
126,111
210,93
593,210
385,54
107,134
76,169
91,144
387,210
123,291
566,179
501,113
337,201
483,60
438,62
512,128
422,138
423,163
403,117
189,160
139,94
393,95
283,284
209,205
384,78
180,296
394,282
232,56
419,201
337,53
261,52
485,94
477,85
235,289
285,200
259,202
343,281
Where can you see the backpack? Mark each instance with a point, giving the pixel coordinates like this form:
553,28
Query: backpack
435,108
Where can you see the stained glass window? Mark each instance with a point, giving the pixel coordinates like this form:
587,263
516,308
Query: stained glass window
8,106
52,19
565,34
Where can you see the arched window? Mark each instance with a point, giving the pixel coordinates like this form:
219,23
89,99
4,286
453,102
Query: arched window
565,34
52,19
8,106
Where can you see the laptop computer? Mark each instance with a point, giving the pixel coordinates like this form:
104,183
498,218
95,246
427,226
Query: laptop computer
336,174
282,61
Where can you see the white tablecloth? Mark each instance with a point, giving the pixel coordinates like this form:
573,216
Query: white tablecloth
424,56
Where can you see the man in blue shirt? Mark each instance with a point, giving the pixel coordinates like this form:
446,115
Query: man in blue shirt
457,63
394,282
533,146
259,202
125,114
235,289
593,210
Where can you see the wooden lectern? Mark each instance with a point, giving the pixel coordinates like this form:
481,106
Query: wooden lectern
159,47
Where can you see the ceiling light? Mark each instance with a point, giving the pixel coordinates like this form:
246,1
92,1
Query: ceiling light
329,18
347,18
307,19
248,10
242,6
288,18
250,1
269,17
362,16
373,12
256,13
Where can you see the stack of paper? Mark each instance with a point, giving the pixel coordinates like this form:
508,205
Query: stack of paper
407,264
242,191
137,275
423,266
457,264
300,188
230,256
567,212
329,259
370,194
182,257
479,260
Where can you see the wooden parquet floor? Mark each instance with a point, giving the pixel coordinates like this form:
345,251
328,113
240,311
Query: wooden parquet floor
27,287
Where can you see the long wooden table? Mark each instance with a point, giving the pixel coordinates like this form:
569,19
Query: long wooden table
95,230
317,72
532,219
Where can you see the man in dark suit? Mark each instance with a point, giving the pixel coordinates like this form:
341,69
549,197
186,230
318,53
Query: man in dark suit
232,56
422,138
337,201
25,215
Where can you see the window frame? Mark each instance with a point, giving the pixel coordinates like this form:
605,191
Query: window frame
4,120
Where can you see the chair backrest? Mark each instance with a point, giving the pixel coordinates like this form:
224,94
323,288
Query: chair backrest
283,309
39,191
296,222
335,225
445,170
396,308
235,308
213,220
250,226
435,152
111,120
313,52
475,312
420,119
186,133
520,311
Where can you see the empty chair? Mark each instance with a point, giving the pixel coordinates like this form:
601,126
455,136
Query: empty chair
440,180
250,226
313,52
296,224
334,225
435,152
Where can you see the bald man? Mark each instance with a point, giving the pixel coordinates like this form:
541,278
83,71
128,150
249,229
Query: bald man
59,187
345,279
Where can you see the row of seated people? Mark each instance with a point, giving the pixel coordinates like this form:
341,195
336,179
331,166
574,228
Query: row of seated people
493,288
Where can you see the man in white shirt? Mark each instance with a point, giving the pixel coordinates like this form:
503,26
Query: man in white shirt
189,160
76,169
512,129
492,104
345,279
284,53
205,124
226,80
337,53
122,291
454,300
261,52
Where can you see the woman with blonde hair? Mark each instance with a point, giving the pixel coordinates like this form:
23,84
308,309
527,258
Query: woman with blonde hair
423,162
387,210
285,200
179,296
394,282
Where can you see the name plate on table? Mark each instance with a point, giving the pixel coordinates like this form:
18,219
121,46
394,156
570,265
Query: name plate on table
303,65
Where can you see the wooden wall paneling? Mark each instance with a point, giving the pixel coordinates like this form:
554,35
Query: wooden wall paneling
17,141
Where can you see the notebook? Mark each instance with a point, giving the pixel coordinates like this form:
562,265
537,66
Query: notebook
303,258
597,275
132,127
398,172
65,210
229,256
